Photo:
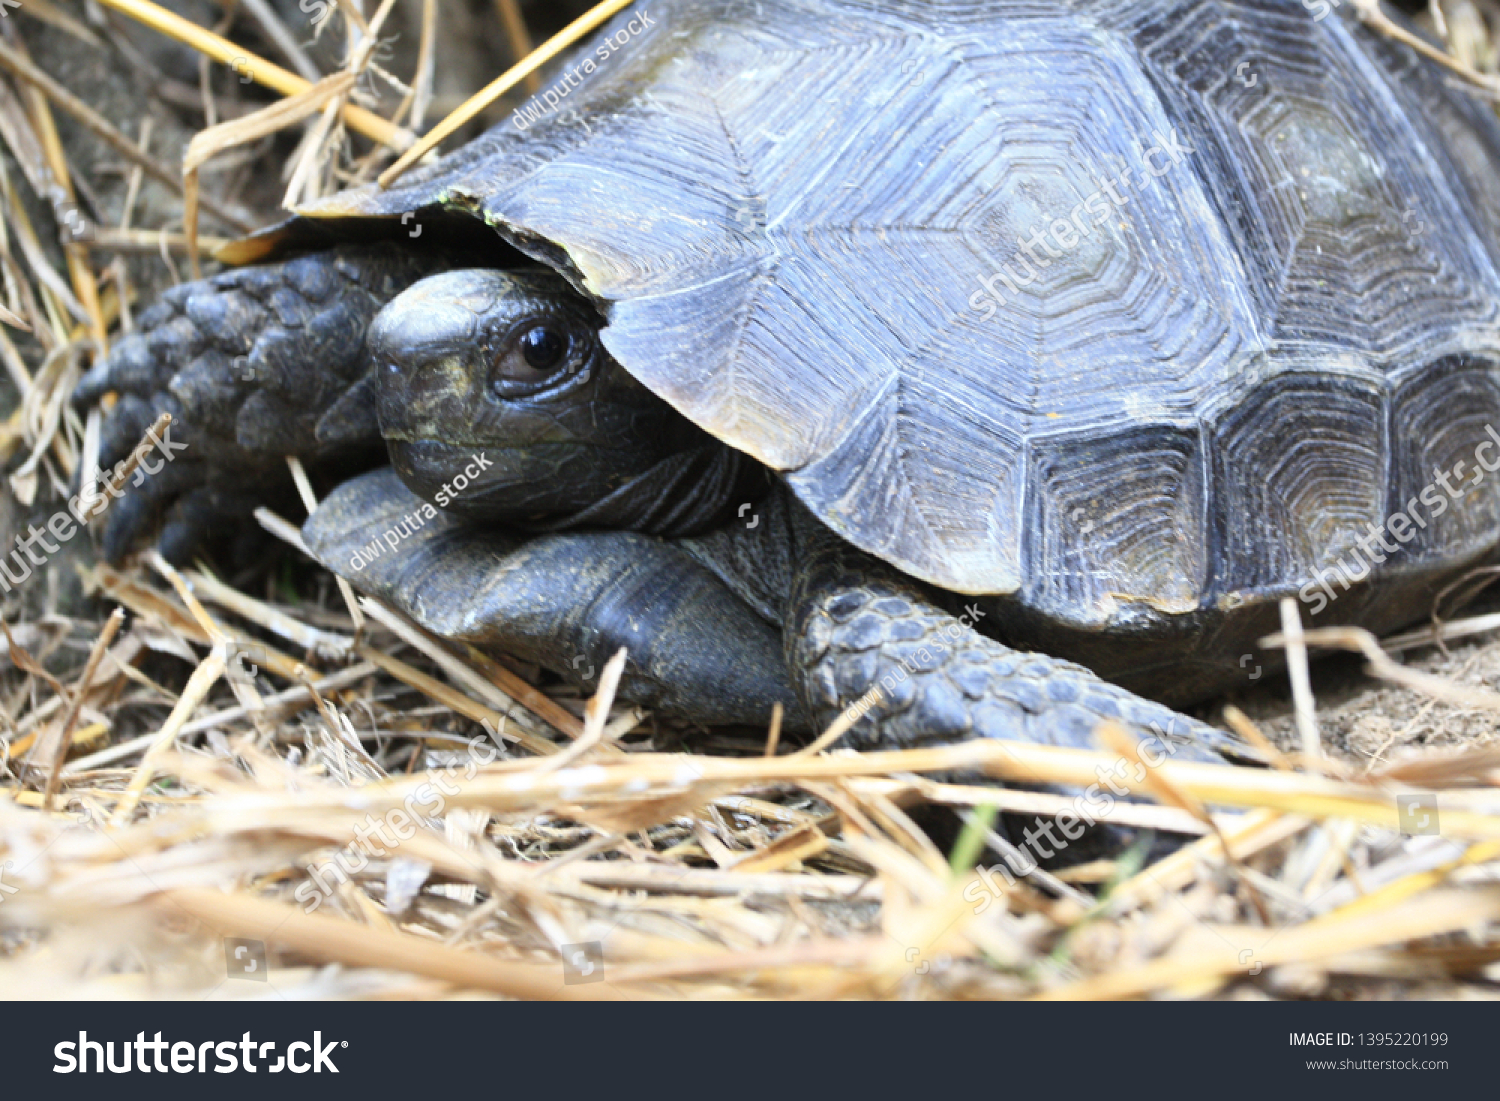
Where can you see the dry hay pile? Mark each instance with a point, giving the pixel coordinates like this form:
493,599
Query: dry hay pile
386,814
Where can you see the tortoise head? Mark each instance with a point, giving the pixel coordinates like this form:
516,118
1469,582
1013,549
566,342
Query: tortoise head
498,401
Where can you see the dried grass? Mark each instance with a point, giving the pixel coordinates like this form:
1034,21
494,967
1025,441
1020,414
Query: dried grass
216,750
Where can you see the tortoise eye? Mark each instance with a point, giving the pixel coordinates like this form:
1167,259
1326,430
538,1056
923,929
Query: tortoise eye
543,348
536,355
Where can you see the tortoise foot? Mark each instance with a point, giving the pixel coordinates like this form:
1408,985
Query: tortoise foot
254,364
860,635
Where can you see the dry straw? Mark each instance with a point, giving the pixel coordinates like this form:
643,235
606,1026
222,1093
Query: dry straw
151,814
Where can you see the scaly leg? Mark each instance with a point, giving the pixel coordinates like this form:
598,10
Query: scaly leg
853,623
567,602
254,365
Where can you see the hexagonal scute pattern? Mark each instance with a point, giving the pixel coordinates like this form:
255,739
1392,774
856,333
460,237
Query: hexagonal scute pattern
1111,305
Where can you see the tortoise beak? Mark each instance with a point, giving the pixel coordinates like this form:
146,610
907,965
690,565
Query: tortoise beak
424,344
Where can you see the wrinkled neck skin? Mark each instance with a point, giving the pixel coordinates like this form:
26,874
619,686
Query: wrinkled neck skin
665,477
691,491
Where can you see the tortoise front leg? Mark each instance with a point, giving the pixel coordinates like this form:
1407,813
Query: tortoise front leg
853,625
567,602
254,365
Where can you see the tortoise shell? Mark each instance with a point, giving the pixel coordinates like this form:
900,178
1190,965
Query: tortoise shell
1130,310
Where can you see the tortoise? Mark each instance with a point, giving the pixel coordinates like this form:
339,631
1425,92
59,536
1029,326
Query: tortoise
980,368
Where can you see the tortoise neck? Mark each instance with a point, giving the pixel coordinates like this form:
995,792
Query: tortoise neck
685,493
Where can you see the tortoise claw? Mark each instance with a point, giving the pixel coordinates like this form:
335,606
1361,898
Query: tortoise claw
247,363
127,522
